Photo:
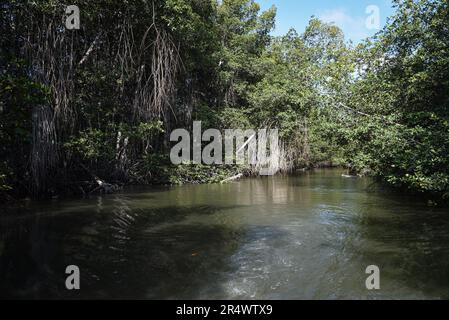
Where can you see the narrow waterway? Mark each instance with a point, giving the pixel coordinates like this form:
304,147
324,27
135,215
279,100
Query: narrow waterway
309,236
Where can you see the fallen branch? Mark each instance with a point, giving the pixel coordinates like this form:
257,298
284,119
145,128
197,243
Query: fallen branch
370,115
237,177
89,51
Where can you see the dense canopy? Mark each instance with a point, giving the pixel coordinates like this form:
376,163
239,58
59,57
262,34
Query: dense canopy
98,104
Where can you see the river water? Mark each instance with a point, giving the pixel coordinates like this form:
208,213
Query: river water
309,236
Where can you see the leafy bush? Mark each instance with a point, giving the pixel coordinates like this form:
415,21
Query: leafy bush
157,169
91,144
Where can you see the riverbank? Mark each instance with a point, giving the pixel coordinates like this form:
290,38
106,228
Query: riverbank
162,173
156,173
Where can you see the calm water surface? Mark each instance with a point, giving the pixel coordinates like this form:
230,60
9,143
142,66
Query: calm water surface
309,236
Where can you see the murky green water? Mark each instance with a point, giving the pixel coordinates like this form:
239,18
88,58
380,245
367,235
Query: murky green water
303,237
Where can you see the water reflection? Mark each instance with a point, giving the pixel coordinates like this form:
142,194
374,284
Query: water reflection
304,237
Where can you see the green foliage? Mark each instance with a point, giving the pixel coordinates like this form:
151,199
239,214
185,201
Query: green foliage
199,174
94,144
91,144
404,85
232,118
381,108
301,73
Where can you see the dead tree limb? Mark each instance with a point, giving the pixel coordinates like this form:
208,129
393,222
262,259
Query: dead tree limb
89,51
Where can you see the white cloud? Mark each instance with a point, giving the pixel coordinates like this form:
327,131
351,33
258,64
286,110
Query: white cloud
353,27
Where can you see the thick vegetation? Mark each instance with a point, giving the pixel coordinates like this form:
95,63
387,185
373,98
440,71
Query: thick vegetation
81,107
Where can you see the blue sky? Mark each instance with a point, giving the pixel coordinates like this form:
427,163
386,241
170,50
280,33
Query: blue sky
350,15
